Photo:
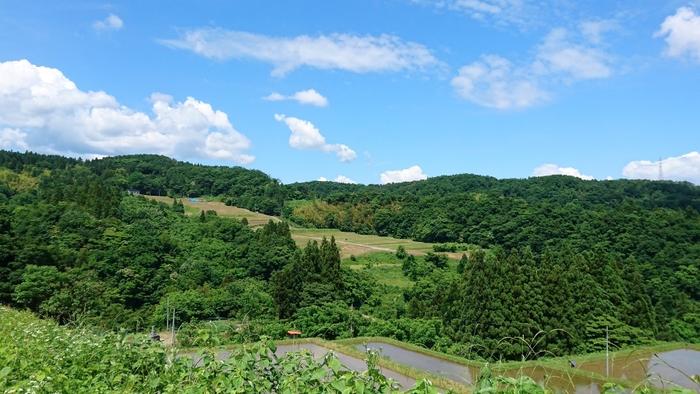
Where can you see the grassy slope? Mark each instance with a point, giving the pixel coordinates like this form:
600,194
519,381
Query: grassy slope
356,244
193,208
349,243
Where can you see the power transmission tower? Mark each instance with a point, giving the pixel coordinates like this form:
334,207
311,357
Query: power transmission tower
661,170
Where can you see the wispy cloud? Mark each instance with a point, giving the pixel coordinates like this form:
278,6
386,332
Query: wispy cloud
682,34
306,136
494,82
360,54
499,12
563,56
112,22
42,110
304,97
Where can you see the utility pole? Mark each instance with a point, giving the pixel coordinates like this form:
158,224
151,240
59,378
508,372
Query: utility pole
607,353
351,309
167,314
172,338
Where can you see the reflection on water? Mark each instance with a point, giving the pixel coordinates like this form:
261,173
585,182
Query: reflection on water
663,369
351,363
437,367
558,381
554,380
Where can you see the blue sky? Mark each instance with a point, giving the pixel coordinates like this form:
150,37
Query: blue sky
365,91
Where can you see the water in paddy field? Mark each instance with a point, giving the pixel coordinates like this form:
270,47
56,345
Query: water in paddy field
350,363
666,369
554,380
437,367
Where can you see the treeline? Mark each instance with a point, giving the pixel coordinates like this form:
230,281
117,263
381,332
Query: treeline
508,306
74,244
664,241
159,175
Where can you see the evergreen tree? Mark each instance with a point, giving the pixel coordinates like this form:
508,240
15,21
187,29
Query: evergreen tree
462,264
588,297
639,311
557,306
287,285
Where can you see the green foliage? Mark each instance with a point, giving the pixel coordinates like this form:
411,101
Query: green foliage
41,357
401,252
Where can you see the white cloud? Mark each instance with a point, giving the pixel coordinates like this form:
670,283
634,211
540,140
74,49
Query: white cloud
360,54
494,82
682,32
322,179
304,97
112,22
681,168
343,179
593,30
409,174
51,114
558,54
501,11
13,139
274,96
310,97
306,136
553,169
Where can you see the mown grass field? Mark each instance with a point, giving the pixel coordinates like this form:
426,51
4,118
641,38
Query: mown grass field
356,244
384,266
349,243
193,208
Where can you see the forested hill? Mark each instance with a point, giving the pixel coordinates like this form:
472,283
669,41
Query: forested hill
549,253
557,189
160,175
257,191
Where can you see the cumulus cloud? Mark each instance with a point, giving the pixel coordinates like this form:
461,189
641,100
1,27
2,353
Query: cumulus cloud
13,139
409,174
306,136
304,97
343,179
553,169
682,33
112,22
322,179
681,168
496,82
43,110
360,54
274,96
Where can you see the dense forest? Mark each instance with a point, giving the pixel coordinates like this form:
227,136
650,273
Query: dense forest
548,262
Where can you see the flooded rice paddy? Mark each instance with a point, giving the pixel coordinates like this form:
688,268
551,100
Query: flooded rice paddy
555,380
666,369
350,363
